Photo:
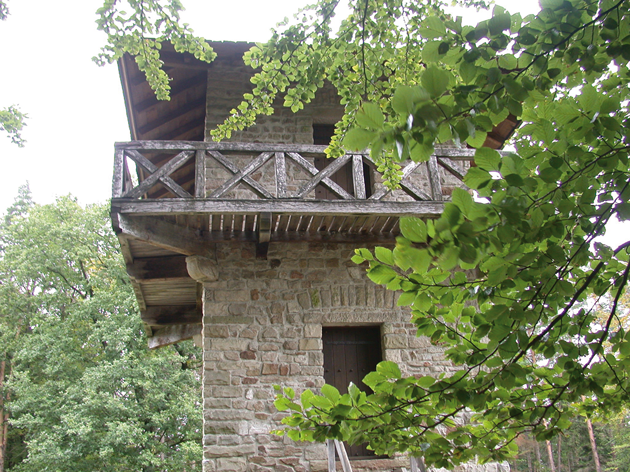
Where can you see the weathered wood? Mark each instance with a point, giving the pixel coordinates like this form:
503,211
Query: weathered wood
406,172
181,86
229,165
450,152
238,177
323,176
343,456
172,206
158,268
358,179
117,184
433,172
160,174
281,175
161,234
413,191
171,315
176,113
200,173
264,227
173,334
452,167
310,168
330,444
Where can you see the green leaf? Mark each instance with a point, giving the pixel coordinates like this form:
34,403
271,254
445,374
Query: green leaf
384,255
381,275
432,27
388,369
357,139
414,229
370,116
435,81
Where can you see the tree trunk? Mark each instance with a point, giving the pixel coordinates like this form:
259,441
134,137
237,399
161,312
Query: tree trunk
552,464
591,435
3,422
538,457
559,454
529,462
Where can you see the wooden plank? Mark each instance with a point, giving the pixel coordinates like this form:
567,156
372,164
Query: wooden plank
173,334
264,227
322,176
343,456
200,173
119,165
181,86
161,233
281,175
452,167
174,114
255,186
160,174
358,178
171,315
434,179
295,207
158,268
334,187
406,172
241,174
330,444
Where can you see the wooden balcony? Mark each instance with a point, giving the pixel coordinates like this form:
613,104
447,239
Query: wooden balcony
265,192
173,199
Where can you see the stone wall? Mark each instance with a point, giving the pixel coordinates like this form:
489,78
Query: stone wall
262,327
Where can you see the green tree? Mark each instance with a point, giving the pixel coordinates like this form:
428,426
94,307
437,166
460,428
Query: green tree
500,279
83,391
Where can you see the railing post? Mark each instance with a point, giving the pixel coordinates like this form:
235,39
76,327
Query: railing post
281,175
200,173
118,182
434,178
358,178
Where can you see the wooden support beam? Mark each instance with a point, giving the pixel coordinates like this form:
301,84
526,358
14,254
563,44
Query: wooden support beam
173,334
171,315
422,209
160,233
178,88
165,118
158,268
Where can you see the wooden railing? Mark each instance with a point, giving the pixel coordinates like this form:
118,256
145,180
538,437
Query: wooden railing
177,170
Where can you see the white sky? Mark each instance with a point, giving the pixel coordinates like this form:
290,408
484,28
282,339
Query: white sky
76,110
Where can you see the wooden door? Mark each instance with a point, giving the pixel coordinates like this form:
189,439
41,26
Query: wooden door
350,353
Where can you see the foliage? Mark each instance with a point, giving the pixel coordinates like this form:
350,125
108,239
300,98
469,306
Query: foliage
140,33
364,60
83,390
12,120
4,10
501,280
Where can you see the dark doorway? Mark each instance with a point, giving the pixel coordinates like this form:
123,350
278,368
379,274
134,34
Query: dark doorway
350,353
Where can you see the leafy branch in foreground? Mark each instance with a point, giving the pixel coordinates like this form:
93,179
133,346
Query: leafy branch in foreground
504,280
141,32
